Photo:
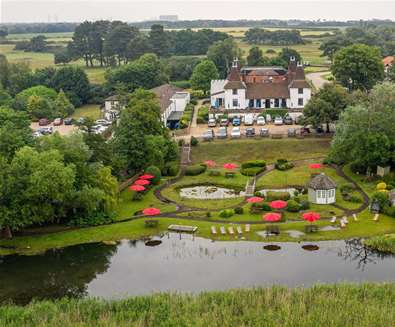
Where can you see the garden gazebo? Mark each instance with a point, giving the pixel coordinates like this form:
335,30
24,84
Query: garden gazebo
322,189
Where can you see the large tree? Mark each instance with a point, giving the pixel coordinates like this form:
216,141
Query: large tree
159,41
358,66
365,134
255,57
326,105
203,74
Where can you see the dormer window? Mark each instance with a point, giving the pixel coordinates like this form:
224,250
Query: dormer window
234,91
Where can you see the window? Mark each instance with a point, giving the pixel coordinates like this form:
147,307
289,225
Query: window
276,103
235,103
258,103
283,103
318,194
251,103
234,91
300,90
300,102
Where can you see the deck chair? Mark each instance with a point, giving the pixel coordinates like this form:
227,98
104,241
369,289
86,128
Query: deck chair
239,231
376,217
213,230
355,217
223,230
231,231
333,220
247,228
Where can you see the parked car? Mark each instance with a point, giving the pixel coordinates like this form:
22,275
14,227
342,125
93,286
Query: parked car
103,122
305,130
81,120
235,133
43,122
68,121
222,133
236,121
261,120
264,132
291,132
212,122
58,122
45,130
208,135
37,134
250,132
224,122
288,120
278,121
268,118
249,120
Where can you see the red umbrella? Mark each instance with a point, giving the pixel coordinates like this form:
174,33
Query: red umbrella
271,217
311,216
255,199
142,182
278,204
146,176
230,166
137,188
210,163
315,166
151,211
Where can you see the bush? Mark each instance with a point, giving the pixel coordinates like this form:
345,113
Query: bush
293,206
214,173
262,206
227,213
251,171
382,198
182,84
358,168
171,168
304,205
203,115
253,163
355,199
381,186
194,141
239,210
283,164
137,196
97,219
272,196
346,188
195,170
155,171
389,211
194,102
181,142
208,214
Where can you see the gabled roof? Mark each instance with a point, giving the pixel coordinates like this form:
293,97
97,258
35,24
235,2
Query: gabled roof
267,90
234,80
164,93
297,84
112,98
321,182
388,60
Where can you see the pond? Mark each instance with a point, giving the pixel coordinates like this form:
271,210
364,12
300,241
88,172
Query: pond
290,190
185,264
210,192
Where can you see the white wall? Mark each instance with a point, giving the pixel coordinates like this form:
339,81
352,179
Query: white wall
240,97
111,105
294,96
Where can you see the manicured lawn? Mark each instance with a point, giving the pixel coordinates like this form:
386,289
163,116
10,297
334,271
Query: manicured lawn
270,150
34,59
96,75
88,110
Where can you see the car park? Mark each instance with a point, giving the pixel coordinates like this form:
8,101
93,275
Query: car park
58,122
222,133
224,122
43,122
249,120
208,135
212,122
250,132
278,121
264,132
68,121
288,120
291,132
261,120
235,132
236,121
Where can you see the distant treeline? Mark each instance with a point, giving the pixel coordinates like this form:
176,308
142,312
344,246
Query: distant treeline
278,37
19,28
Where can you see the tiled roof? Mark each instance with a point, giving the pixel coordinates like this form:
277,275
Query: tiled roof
267,90
299,84
388,60
234,85
321,182
164,93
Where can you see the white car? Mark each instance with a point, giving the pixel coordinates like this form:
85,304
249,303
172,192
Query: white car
268,118
278,121
235,132
212,122
261,120
103,122
249,120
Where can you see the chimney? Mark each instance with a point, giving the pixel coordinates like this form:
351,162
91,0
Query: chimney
235,63
299,64
292,59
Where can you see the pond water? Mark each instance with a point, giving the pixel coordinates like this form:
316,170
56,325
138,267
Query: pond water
290,190
209,193
186,264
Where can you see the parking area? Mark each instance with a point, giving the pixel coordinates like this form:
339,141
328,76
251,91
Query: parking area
61,129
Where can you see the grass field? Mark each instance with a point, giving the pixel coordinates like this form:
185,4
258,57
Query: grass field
88,110
351,305
241,150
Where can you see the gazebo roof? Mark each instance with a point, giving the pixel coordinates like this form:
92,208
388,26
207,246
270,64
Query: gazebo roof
321,182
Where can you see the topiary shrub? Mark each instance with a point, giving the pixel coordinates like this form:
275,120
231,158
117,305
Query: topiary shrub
252,171
283,164
293,206
304,205
195,170
171,168
155,171
239,210
258,207
253,163
382,198
355,199
137,196
381,186
389,211
346,188
272,196
194,141
227,213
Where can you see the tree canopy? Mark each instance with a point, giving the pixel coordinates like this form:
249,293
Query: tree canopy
203,74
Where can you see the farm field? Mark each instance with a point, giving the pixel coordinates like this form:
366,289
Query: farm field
88,110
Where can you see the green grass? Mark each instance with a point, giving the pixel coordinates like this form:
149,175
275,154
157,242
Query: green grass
270,150
88,110
351,305
35,60
96,75
64,36
384,243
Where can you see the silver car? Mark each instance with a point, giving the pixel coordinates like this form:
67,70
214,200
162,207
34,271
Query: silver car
222,133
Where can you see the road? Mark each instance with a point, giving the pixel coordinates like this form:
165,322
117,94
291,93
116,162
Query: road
317,79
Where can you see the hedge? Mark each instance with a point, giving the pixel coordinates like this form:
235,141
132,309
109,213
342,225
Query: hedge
272,196
253,163
293,206
227,213
155,171
252,171
283,164
195,170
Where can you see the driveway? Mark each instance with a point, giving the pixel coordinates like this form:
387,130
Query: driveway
318,79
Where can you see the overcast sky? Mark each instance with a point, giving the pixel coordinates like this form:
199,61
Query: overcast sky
138,10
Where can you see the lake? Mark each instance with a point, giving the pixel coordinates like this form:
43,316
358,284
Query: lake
186,264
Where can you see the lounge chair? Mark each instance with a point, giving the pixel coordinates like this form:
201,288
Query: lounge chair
239,231
231,231
247,228
355,217
223,230
345,220
333,220
213,230
376,217
342,223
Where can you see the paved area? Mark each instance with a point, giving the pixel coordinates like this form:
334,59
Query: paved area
317,79
62,129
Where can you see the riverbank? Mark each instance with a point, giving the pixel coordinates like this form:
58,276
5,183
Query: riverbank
363,305
384,243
